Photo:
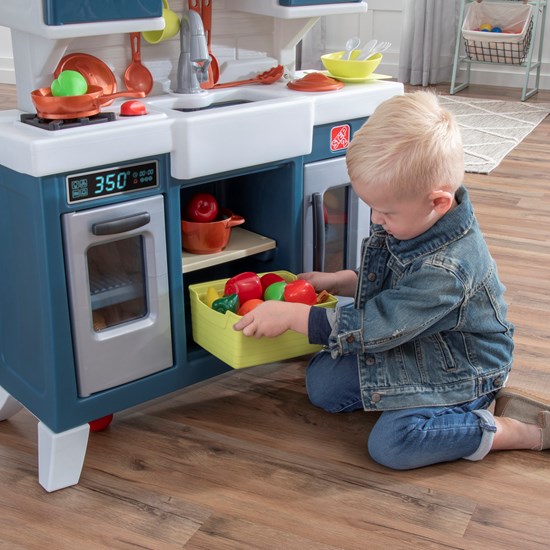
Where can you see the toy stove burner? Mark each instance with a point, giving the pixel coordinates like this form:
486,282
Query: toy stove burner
61,124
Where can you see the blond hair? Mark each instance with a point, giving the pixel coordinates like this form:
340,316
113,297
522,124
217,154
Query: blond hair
411,145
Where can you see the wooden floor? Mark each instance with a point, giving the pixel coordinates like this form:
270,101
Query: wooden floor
244,461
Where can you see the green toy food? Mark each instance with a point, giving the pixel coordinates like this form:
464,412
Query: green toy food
69,83
226,303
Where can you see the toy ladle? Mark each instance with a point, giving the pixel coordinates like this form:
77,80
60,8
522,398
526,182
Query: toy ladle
137,76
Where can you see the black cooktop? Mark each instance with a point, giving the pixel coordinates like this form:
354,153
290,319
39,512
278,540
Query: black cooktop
61,124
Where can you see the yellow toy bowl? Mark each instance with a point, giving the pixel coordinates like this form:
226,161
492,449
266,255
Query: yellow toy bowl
214,332
350,68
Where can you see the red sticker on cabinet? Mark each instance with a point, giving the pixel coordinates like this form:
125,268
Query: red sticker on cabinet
339,137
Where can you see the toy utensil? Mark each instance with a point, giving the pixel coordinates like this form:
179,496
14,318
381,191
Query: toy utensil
267,77
137,76
351,45
368,48
382,47
213,68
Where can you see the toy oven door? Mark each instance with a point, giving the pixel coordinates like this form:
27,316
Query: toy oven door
117,276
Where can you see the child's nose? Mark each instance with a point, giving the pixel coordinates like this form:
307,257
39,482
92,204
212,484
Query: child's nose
377,218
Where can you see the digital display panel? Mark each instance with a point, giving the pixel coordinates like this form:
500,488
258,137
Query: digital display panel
113,181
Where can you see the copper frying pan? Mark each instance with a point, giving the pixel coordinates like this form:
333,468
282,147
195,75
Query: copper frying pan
75,106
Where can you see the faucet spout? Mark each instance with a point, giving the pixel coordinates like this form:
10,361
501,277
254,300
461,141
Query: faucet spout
194,58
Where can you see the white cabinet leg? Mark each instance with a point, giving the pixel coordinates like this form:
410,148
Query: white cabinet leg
8,405
61,456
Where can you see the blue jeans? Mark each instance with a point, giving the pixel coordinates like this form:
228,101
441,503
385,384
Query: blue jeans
407,438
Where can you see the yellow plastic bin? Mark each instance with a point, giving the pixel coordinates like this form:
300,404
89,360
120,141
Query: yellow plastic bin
214,332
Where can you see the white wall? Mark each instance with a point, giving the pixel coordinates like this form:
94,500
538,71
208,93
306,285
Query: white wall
382,21
7,73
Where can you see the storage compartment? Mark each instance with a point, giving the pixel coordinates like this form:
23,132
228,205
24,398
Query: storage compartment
214,332
269,200
61,12
314,2
511,44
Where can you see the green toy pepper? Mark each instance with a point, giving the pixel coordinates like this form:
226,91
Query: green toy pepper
226,303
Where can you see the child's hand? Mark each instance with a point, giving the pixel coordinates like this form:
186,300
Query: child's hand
319,280
342,283
272,318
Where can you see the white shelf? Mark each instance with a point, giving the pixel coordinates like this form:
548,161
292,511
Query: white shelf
242,243
274,9
27,16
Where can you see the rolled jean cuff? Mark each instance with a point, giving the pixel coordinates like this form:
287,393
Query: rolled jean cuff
488,429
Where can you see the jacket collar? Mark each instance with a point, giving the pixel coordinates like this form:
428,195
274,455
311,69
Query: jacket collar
454,225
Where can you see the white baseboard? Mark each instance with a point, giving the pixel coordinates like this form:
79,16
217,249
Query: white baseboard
507,76
489,74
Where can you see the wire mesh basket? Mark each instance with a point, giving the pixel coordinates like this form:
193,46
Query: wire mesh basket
510,45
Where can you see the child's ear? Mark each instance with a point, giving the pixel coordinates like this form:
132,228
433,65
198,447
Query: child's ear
442,201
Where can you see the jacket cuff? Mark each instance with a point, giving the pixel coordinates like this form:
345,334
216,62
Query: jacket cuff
319,327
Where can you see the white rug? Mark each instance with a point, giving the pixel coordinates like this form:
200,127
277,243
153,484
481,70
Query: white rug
492,128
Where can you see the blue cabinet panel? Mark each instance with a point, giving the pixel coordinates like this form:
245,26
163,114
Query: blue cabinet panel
61,12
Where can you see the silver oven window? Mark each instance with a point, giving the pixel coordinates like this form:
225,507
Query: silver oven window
117,282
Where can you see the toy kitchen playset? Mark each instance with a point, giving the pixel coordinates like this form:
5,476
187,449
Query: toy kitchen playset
95,312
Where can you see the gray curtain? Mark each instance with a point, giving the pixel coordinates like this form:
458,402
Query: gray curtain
426,53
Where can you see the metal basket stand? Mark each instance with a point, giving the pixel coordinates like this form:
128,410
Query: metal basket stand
520,54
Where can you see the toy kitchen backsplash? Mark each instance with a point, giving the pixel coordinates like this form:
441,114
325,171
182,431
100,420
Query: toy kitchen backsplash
243,40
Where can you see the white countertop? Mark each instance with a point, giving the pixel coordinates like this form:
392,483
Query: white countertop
275,123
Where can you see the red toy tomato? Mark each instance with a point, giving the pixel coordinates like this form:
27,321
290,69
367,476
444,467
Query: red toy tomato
300,291
203,207
247,285
249,305
269,279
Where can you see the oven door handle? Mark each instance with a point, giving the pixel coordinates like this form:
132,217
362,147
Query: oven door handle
121,225
318,232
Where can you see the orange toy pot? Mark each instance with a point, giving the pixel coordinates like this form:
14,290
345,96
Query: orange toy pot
209,237
76,106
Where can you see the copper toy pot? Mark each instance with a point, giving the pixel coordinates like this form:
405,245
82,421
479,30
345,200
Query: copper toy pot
76,106
209,237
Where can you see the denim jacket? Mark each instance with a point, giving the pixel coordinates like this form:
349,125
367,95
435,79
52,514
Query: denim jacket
429,322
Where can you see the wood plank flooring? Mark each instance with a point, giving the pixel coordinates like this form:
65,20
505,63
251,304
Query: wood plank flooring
243,461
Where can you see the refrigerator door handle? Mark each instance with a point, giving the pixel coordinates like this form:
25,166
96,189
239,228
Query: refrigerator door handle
318,232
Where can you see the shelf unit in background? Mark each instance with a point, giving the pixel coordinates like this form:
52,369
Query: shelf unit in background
530,64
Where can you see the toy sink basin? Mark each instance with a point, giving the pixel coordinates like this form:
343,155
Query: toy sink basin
229,128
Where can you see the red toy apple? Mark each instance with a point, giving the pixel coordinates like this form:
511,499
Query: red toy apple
269,278
300,291
203,207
